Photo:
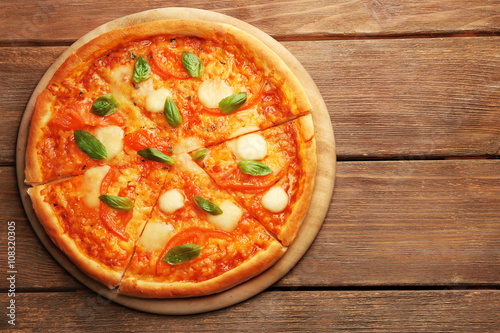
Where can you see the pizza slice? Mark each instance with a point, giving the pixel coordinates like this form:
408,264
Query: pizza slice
199,84
198,241
96,218
270,173
78,102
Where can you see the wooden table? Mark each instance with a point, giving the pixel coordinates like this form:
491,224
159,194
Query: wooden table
412,238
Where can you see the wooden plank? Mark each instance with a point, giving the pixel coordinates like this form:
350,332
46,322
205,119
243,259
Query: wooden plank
65,21
21,69
412,98
398,99
396,223
36,269
408,223
291,311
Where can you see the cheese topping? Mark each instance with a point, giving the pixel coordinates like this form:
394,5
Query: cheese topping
118,76
275,200
211,92
228,220
112,138
244,130
250,147
171,201
155,102
91,185
155,236
187,144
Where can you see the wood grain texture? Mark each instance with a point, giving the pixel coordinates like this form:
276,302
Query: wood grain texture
65,21
397,98
299,311
408,223
390,223
20,71
409,97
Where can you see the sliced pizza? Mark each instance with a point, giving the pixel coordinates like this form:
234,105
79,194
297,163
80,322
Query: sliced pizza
200,84
198,241
96,218
114,186
78,123
270,173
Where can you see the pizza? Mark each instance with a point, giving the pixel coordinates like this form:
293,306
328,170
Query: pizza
173,158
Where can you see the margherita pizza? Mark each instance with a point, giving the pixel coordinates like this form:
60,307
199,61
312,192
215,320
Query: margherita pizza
172,159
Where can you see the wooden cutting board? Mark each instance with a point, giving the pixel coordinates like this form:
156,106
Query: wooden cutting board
325,175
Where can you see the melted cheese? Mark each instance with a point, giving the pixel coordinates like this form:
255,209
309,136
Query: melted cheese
155,236
171,201
112,138
244,130
211,92
155,102
275,200
250,147
91,185
187,144
228,220
119,76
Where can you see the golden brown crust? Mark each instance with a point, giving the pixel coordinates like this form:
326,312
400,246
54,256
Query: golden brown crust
51,224
256,265
273,63
181,27
64,70
307,156
42,114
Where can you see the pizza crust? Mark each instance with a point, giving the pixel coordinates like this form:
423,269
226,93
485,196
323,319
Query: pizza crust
40,118
51,224
149,289
307,155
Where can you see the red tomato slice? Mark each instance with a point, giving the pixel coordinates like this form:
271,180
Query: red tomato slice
68,119
115,221
146,139
193,235
255,97
77,116
168,63
233,178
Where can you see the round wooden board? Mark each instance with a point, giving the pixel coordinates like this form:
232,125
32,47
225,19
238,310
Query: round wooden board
320,201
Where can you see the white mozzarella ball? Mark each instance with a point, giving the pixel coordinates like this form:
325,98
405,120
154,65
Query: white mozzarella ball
171,201
91,185
250,147
112,138
155,236
228,220
211,92
155,102
275,200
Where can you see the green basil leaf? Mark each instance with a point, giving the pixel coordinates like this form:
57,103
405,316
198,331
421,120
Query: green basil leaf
254,168
142,70
156,155
192,64
105,105
200,154
172,113
232,103
90,145
122,204
182,253
207,205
